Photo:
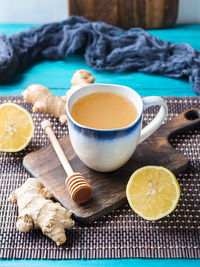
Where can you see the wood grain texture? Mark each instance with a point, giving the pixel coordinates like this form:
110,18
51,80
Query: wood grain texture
109,188
128,13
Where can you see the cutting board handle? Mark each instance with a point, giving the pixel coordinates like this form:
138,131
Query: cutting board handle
187,120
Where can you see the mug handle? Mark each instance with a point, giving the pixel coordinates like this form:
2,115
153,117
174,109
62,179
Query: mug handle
157,121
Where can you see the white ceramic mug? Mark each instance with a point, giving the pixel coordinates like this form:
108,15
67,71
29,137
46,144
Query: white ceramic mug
108,150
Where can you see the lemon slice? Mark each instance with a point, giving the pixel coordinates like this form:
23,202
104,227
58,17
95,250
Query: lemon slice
153,192
16,127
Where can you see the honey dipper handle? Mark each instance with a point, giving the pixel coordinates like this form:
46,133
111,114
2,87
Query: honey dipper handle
46,125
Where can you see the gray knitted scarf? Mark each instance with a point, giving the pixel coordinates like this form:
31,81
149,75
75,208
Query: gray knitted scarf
105,47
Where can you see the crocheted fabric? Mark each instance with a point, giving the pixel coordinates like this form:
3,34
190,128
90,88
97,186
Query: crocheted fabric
105,47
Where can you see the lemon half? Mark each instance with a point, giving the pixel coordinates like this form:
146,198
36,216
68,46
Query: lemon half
153,192
16,127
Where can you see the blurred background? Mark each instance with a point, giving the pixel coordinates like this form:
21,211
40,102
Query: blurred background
42,11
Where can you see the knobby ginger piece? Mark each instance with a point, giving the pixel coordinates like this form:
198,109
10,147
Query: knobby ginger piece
80,79
44,101
36,210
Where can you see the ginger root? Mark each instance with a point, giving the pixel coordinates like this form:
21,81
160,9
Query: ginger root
44,101
36,210
80,79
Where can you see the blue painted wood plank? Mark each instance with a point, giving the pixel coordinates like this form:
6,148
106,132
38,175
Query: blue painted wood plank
57,74
104,263
10,28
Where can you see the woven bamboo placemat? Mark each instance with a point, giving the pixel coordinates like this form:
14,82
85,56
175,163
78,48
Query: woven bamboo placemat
121,234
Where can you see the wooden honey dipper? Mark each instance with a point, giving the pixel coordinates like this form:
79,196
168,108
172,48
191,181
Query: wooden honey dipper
79,189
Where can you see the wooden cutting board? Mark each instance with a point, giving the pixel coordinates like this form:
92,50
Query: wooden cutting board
109,188
127,13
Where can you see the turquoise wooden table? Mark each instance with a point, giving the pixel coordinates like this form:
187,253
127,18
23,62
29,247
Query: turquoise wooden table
57,75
